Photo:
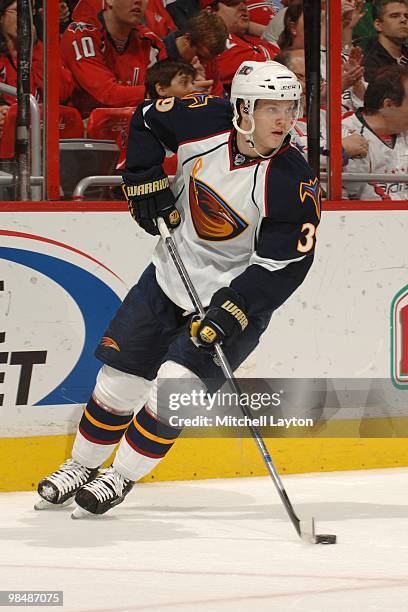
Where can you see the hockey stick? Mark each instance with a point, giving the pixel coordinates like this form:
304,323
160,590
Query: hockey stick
304,529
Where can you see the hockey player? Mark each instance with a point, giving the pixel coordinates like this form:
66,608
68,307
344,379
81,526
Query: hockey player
384,124
244,208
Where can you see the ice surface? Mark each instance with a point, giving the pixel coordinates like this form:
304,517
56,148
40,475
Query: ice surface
219,545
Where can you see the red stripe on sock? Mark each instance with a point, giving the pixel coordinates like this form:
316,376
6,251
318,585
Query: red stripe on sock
96,440
142,452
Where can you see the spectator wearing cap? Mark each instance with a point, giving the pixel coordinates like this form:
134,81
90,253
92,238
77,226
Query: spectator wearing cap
391,23
204,38
240,45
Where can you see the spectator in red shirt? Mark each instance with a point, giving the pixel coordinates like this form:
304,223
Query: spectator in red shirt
240,46
8,60
109,56
203,40
156,17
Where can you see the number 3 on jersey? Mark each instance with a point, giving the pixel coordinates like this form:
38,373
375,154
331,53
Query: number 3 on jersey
307,242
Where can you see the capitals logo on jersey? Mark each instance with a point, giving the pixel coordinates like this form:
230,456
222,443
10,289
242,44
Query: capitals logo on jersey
312,190
82,27
212,216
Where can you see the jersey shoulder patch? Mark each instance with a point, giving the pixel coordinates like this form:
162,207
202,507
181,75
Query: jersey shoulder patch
294,192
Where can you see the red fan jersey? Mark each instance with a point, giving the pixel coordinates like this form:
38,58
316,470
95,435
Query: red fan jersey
158,19
108,72
212,72
240,49
8,74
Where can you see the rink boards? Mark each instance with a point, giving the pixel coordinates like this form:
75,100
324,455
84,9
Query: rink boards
63,274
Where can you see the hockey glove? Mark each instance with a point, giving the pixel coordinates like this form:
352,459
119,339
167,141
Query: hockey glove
224,319
149,197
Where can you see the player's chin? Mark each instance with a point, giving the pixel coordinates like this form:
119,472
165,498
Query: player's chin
275,140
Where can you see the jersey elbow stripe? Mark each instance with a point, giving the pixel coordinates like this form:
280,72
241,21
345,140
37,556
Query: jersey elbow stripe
272,264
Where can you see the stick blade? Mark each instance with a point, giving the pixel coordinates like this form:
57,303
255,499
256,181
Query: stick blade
308,534
307,531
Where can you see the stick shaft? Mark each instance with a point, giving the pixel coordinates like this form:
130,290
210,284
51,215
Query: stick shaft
229,375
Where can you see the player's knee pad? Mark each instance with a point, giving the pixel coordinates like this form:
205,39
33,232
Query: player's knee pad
119,392
172,379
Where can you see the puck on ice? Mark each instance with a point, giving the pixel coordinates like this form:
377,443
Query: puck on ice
325,538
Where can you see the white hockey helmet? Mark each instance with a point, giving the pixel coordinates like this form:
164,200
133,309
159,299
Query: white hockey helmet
263,81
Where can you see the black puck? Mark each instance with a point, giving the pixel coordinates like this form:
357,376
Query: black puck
326,538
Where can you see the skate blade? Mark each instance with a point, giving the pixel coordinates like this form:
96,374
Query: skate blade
43,504
80,513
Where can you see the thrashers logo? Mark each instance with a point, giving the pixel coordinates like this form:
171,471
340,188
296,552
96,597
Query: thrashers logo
212,217
312,190
108,342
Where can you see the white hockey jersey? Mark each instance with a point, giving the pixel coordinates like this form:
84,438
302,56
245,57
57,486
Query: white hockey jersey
384,157
247,223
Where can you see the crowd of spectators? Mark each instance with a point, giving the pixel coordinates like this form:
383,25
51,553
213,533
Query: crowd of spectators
115,53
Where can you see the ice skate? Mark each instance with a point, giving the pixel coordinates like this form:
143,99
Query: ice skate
59,489
104,492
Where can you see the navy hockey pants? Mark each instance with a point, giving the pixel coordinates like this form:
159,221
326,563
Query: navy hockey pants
149,329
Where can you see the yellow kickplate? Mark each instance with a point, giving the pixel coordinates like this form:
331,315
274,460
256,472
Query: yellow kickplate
24,461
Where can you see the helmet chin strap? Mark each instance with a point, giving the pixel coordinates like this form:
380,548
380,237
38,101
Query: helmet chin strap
249,139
